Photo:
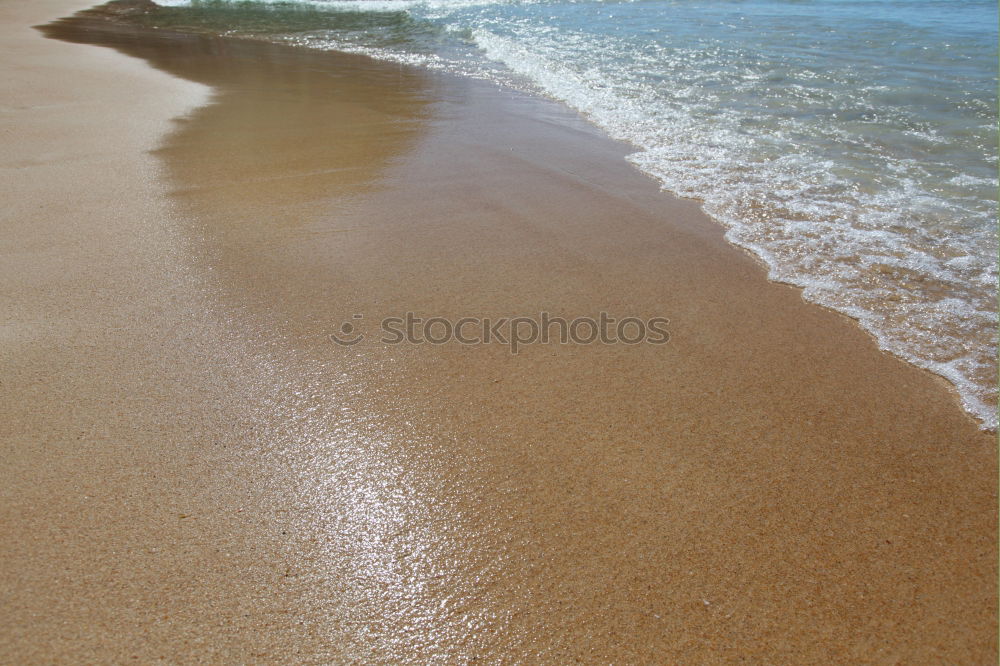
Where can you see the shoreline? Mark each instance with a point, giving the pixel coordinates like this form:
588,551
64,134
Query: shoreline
958,385
725,494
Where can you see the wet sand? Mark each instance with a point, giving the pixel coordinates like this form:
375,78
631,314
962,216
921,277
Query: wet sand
193,470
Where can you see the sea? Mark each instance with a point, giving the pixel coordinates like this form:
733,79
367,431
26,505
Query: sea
851,145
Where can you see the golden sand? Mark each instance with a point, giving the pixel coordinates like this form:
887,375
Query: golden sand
193,470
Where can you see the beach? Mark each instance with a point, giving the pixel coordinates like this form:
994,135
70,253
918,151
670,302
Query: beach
194,470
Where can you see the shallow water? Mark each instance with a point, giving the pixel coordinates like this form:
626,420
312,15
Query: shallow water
851,144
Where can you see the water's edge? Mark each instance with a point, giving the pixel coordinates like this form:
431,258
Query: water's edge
965,390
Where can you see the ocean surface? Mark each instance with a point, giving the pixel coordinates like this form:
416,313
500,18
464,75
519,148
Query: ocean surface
850,144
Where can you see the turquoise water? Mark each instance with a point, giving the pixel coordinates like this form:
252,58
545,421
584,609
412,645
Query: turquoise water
850,144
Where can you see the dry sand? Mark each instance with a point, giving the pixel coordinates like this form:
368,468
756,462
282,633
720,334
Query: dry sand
192,470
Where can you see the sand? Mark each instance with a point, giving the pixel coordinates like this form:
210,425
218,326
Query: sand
192,470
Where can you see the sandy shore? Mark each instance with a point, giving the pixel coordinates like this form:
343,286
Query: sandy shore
193,470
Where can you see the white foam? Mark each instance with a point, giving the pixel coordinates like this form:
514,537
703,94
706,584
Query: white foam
819,234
